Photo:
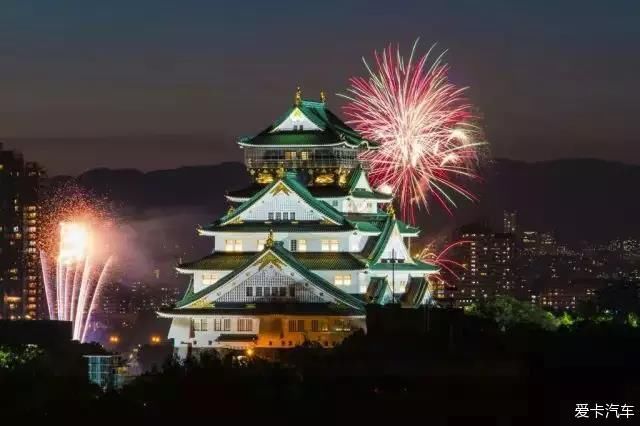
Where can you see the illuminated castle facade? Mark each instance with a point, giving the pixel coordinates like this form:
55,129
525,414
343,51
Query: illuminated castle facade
301,252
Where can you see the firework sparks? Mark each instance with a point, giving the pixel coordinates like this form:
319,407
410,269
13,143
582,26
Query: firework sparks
424,125
72,230
428,254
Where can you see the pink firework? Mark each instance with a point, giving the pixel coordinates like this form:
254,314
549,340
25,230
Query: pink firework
423,124
442,260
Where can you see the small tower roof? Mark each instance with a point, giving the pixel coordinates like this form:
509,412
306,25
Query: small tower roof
323,128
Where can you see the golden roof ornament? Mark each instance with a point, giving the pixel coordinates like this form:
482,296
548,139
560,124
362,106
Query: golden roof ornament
323,98
391,211
280,172
269,242
298,99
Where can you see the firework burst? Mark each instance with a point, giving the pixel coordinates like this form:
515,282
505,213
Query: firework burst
453,267
74,261
424,125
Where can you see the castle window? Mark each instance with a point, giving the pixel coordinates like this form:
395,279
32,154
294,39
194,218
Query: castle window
226,324
341,325
292,215
270,215
208,279
249,291
334,203
330,245
258,291
342,280
285,216
233,245
245,324
292,291
283,292
278,216
319,325
296,325
217,324
267,291
304,155
199,324
294,245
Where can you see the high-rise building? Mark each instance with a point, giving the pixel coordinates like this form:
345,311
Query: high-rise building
510,222
303,249
530,242
489,264
20,273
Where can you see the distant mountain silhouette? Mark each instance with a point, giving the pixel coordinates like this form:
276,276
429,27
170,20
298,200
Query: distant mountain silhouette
578,199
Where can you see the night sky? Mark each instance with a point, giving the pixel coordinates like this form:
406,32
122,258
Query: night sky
158,84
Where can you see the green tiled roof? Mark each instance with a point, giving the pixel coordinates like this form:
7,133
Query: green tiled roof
382,241
319,281
290,260
418,266
267,308
373,195
333,131
415,293
292,183
365,226
279,227
407,229
329,191
378,290
225,261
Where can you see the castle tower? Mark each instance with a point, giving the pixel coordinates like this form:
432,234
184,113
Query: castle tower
303,249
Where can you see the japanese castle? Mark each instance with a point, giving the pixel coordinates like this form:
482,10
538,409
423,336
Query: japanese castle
300,252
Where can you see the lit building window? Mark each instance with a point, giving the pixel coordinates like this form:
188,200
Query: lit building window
233,245
298,245
245,324
296,325
208,279
319,325
342,280
330,245
199,324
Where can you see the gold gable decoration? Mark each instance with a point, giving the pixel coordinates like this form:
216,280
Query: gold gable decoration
264,178
280,188
269,259
391,211
269,242
342,178
324,179
298,97
201,303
